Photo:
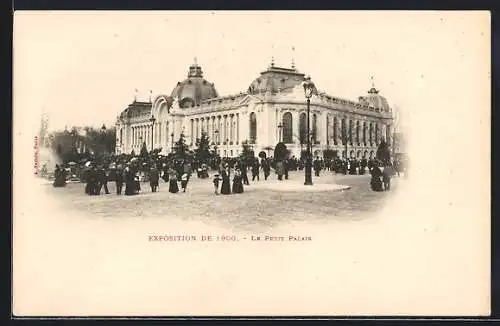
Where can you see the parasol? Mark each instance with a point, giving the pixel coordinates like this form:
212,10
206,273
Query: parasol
71,163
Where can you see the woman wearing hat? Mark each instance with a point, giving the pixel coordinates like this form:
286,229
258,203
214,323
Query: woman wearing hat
173,186
226,186
237,182
376,182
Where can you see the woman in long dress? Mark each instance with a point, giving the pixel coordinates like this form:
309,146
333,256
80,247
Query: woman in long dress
173,186
376,182
237,182
225,188
129,182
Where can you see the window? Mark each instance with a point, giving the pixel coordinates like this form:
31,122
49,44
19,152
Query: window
303,128
364,133
343,132
357,134
351,124
314,129
335,128
253,128
287,128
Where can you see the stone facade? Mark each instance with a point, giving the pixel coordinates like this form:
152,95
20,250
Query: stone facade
272,109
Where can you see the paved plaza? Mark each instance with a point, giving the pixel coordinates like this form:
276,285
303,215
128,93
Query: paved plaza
263,204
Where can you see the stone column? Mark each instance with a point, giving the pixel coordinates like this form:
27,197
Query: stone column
237,128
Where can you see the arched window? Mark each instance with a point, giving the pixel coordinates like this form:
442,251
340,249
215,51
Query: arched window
253,127
364,133
357,134
327,130
343,131
371,134
335,127
351,131
287,128
303,128
314,135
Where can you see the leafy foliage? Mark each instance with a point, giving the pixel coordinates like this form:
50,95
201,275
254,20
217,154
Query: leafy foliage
202,151
247,153
181,149
280,152
144,151
68,143
383,152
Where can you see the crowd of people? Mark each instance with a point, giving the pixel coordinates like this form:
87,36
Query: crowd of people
230,174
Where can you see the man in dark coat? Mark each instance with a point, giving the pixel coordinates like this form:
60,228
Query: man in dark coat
154,177
91,180
317,166
244,176
119,180
102,180
255,169
286,166
266,167
386,176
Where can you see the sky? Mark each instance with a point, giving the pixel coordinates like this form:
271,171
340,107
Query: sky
81,68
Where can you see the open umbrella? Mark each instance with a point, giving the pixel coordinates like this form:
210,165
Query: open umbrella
71,163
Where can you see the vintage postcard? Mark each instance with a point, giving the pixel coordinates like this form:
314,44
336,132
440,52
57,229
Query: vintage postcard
220,163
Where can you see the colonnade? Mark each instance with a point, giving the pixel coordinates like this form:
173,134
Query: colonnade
218,128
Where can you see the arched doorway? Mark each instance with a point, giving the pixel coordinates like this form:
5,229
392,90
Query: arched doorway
372,155
287,128
303,128
253,127
358,155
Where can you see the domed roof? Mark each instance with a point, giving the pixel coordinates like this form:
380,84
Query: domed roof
276,79
195,89
375,99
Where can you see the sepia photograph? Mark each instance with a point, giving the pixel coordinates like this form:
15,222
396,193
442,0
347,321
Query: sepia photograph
251,163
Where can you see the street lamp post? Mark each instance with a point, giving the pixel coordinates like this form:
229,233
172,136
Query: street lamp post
152,119
103,138
280,126
227,147
309,89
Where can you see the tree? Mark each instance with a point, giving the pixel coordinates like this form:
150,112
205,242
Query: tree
144,151
329,153
180,147
280,152
247,153
383,152
202,151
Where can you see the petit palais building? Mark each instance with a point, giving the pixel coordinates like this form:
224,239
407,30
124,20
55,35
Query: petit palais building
272,109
